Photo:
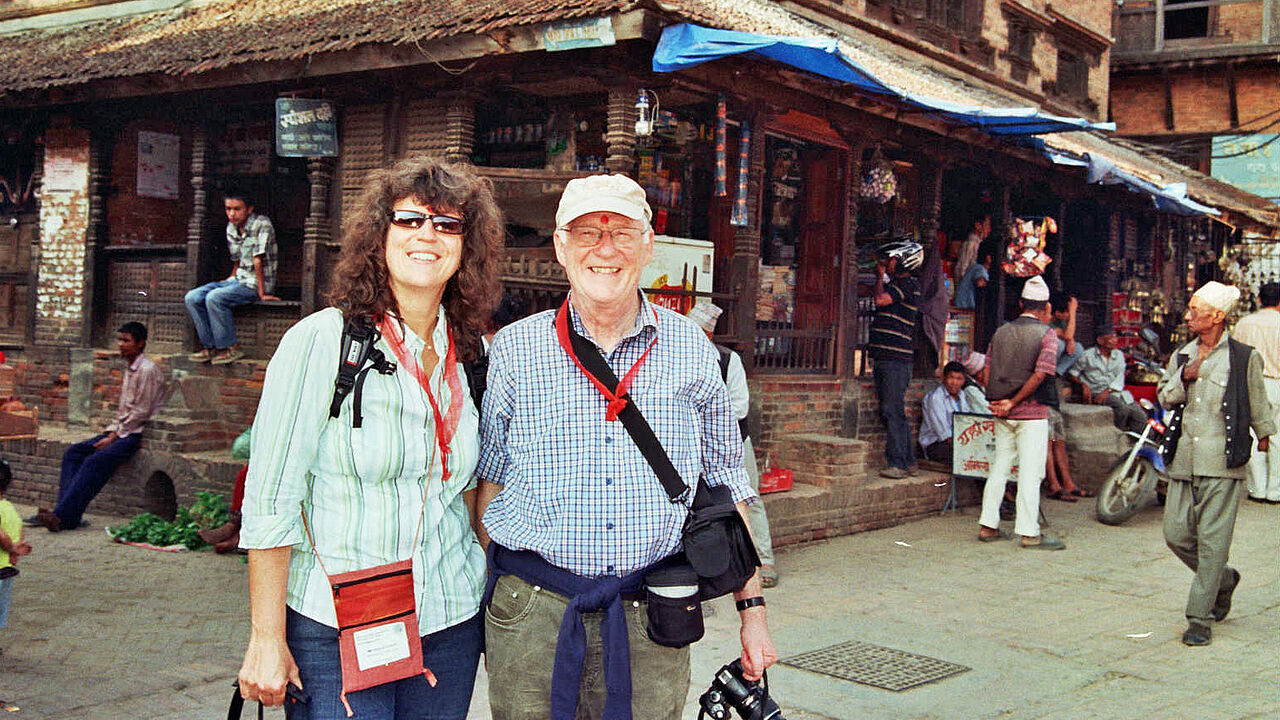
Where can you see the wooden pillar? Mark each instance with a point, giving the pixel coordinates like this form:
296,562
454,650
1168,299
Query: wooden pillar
99,180
930,203
33,269
850,323
1114,256
746,243
316,231
1001,221
1059,250
620,134
199,203
460,128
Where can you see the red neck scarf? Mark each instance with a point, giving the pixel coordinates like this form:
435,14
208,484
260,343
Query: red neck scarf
616,398
447,424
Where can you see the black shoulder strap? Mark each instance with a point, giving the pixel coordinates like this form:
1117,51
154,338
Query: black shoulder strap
359,335
478,375
635,423
724,361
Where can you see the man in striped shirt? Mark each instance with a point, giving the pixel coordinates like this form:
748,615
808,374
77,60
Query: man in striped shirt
892,346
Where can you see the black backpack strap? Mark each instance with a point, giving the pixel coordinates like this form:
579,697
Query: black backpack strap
478,375
724,361
357,357
635,423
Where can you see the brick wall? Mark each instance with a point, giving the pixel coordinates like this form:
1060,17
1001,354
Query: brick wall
64,227
1201,100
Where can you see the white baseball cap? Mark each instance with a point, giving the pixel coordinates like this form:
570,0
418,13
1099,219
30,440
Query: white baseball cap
602,193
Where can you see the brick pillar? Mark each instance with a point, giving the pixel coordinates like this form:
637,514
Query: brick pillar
850,320
620,135
316,231
460,128
746,242
64,232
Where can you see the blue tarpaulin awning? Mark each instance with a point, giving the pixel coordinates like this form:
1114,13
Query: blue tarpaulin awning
686,45
1169,198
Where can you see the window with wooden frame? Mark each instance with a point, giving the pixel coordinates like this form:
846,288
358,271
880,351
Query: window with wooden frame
1073,75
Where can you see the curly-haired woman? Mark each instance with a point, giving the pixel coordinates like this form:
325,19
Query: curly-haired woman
327,496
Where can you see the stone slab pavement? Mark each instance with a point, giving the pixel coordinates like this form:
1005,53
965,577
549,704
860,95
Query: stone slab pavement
106,631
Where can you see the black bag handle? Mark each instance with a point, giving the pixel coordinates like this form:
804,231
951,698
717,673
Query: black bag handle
236,709
635,423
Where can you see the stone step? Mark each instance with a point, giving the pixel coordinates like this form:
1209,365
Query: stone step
823,460
1093,442
809,512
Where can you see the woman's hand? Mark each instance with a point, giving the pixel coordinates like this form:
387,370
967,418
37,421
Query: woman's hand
267,670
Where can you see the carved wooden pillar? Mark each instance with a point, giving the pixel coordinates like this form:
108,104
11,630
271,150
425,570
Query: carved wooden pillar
746,242
930,203
316,231
199,210
848,360
1001,221
33,270
460,129
99,176
620,135
1060,248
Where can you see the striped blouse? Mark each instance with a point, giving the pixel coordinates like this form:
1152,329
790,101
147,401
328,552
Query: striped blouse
361,488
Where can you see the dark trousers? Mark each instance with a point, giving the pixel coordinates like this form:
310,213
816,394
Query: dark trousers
85,471
892,378
939,452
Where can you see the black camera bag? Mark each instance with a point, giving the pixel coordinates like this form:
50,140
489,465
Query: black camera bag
717,543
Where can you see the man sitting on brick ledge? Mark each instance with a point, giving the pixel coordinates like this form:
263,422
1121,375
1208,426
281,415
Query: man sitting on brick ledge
88,465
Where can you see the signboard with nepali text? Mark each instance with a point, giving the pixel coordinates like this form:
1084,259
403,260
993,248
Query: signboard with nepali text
973,445
306,128
577,34
1250,162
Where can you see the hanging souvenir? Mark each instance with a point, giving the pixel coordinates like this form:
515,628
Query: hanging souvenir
879,185
1024,255
722,170
739,216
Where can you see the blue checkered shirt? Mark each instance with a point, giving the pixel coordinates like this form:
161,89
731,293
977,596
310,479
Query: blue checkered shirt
576,489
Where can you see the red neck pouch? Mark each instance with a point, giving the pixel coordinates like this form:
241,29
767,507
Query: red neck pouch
616,397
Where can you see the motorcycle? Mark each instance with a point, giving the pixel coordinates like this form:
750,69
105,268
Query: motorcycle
1139,478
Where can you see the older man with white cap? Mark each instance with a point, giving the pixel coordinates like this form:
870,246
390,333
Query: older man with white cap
1023,360
575,513
1217,382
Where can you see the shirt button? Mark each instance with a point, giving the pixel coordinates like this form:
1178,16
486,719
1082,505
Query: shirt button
608,440
609,568
609,526
608,481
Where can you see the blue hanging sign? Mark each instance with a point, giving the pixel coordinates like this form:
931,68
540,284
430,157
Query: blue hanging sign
1250,162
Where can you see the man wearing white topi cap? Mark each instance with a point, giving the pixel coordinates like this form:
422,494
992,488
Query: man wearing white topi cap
1218,382
1023,360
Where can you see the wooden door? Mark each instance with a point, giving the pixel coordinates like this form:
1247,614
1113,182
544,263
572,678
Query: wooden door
819,240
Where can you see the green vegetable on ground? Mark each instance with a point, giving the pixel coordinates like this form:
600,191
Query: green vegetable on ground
210,510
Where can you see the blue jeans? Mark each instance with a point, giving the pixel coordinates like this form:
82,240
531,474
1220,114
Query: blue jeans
85,471
6,592
892,378
452,654
210,308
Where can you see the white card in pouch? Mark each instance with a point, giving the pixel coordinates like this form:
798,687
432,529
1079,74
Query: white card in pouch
380,645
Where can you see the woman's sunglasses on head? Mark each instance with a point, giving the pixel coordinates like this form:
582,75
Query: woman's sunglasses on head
413,220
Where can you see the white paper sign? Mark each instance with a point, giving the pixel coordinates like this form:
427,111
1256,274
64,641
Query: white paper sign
973,445
158,165
380,645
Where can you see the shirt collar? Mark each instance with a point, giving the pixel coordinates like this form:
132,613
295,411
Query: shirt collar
439,335
645,319
137,362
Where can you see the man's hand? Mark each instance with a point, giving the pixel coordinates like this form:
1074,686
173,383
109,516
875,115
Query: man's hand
105,441
1191,371
1001,408
1086,393
1072,304
265,297
1264,444
1101,397
24,548
757,646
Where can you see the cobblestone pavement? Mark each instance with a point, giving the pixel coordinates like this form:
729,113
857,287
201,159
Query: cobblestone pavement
111,632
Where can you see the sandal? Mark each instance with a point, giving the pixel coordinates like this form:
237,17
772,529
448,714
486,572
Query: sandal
1061,496
1000,535
1081,493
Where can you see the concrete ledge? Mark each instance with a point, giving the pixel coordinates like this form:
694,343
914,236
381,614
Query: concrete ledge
1093,442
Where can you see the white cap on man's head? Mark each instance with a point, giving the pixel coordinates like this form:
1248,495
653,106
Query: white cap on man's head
602,193
1218,296
705,313
1035,289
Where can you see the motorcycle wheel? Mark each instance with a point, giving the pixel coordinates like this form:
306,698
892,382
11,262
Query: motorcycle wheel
1123,494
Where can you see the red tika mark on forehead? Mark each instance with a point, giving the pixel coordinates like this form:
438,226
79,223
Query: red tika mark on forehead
604,218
